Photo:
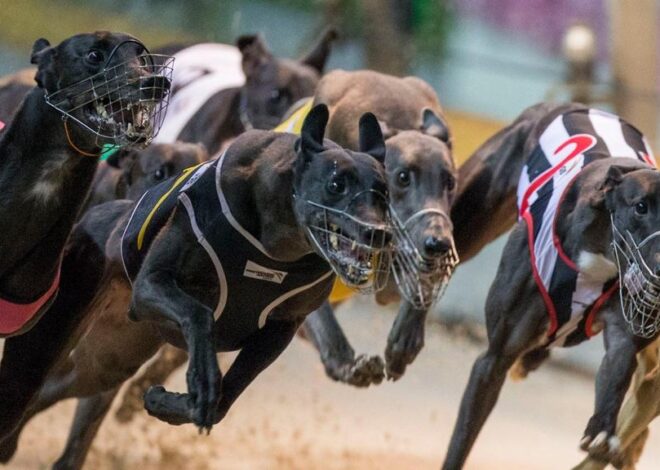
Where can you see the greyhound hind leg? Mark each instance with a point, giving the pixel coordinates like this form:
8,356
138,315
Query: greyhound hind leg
90,413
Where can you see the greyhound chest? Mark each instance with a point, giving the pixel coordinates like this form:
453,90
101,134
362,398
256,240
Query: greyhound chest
570,142
251,283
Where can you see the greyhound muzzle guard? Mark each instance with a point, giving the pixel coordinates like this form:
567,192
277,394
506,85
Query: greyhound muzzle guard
123,105
421,279
640,286
358,252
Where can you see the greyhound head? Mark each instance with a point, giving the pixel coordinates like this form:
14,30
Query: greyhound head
341,200
422,180
632,196
142,169
272,85
107,83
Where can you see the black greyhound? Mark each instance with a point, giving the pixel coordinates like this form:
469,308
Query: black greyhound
286,206
589,204
48,155
422,179
271,85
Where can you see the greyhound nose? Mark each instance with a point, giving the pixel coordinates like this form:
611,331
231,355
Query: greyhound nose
436,246
155,86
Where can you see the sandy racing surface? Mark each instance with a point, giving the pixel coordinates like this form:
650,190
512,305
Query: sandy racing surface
294,418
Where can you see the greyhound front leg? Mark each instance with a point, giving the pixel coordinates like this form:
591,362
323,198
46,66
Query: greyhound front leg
259,351
338,357
612,381
156,296
405,341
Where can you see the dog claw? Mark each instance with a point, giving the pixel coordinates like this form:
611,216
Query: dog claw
603,447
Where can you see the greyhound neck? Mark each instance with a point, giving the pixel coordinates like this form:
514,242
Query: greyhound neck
579,227
44,185
270,218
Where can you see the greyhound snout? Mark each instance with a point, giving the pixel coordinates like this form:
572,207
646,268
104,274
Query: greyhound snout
434,246
376,236
154,87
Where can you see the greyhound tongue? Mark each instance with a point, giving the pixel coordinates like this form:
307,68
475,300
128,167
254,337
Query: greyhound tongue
2,125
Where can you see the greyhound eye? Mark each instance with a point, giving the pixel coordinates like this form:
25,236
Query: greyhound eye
337,185
159,174
403,178
94,57
641,208
450,182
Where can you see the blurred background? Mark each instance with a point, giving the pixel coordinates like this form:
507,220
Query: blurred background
487,60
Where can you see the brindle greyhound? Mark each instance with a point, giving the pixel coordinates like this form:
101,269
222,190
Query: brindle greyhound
268,87
540,297
421,176
288,190
45,174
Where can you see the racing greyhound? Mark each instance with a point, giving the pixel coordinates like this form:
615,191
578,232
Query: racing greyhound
91,89
292,211
422,180
220,91
582,258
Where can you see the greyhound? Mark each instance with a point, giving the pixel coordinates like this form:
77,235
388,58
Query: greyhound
128,173
422,179
589,193
637,412
48,155
13,88
285,200
220,91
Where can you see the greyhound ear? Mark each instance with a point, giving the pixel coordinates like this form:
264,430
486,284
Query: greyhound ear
255,52
434,126
371,137
38,47
42,56
603,195
313,130
318,55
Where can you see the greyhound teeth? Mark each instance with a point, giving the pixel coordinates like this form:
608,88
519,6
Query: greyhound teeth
334,241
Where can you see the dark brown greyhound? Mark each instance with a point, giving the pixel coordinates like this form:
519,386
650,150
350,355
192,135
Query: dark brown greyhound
301,197
589,208
220,92
48,155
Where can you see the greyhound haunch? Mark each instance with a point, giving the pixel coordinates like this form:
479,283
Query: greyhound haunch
557,279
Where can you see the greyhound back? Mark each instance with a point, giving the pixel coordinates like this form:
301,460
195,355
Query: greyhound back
570,142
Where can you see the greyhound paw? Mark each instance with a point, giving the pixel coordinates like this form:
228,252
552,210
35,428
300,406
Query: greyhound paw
363,371
402,349
172,408
204,385
604,447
